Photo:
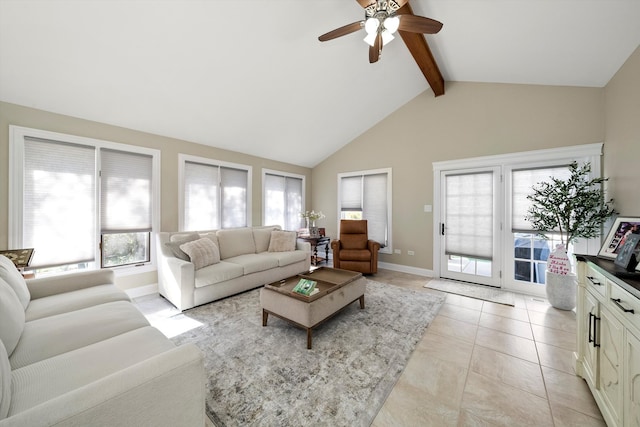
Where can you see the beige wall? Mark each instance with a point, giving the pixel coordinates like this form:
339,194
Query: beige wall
470,120
11,114
622,148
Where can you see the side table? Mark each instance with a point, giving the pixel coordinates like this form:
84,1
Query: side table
315,242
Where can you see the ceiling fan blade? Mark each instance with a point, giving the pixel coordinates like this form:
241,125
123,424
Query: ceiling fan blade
419,24
342,31
417,45
374,51
366,3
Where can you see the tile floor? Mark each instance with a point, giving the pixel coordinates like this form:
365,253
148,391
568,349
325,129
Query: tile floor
486,364
481,364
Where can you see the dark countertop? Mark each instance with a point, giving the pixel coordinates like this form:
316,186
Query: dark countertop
629,281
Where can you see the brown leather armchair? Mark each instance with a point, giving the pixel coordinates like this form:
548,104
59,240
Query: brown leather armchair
354,251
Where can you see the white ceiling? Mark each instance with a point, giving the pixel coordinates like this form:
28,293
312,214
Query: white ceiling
251,75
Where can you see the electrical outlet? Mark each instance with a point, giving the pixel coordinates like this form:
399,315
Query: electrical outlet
411,252
397,251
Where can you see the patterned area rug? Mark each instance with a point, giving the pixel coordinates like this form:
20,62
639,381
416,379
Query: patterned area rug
266,376
486,293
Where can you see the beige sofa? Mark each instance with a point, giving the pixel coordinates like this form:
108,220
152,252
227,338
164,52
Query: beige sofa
246,258
74,351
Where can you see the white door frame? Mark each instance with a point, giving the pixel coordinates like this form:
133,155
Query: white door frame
582,153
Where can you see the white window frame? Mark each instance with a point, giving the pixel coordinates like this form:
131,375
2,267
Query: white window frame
286,175
17,136
507,162
389,172
184,158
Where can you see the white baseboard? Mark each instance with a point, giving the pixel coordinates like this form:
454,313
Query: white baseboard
141,291
406,269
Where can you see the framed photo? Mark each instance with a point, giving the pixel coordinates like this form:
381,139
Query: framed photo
621,229
627,256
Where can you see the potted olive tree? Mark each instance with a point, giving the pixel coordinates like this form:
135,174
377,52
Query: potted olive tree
573,208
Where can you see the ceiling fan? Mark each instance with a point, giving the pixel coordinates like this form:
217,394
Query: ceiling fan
382,19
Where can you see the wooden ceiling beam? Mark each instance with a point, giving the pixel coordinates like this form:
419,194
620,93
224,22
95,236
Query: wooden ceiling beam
417,45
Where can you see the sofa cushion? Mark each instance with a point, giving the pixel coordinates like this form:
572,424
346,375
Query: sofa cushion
262,237
12,276
74,300
236,241
178,239
5,382
11,317
217,273
54,335
45,380
287,258
283,241
202,252
252,263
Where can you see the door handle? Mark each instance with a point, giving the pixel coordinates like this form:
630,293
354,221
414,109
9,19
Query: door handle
442,231
590,330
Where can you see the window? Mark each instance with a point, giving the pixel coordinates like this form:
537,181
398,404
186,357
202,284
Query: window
80,202
530,249
214,194
282,199
367,195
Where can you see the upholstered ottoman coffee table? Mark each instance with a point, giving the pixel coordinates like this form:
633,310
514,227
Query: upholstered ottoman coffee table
337,289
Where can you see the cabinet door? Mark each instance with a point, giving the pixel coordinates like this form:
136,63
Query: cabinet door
590,362
611,367
632,375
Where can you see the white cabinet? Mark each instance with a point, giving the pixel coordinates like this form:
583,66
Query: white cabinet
590,357
608,355
632,374
611,364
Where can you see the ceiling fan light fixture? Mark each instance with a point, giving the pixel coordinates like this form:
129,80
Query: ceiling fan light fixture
391,24
386,37
370,39
371,26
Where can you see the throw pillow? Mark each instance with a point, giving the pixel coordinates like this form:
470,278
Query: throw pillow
262,237
202,252
282,241
12,276
179,239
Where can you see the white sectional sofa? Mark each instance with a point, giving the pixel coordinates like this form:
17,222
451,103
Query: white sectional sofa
237,259
74,351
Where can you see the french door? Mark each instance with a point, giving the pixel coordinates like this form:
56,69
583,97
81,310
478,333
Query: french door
470,225
480,228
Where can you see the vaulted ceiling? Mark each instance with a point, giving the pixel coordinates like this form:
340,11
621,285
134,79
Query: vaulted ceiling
251,75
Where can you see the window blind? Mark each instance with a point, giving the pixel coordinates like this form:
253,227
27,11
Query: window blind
59,202
351,193
234,197
283,201
469,215
523,181
214,196
367,193
374,205
201,197
125,180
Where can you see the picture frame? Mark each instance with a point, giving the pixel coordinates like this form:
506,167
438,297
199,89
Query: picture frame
614,241
627,257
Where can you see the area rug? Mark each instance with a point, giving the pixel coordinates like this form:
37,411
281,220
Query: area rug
265,376
482,292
